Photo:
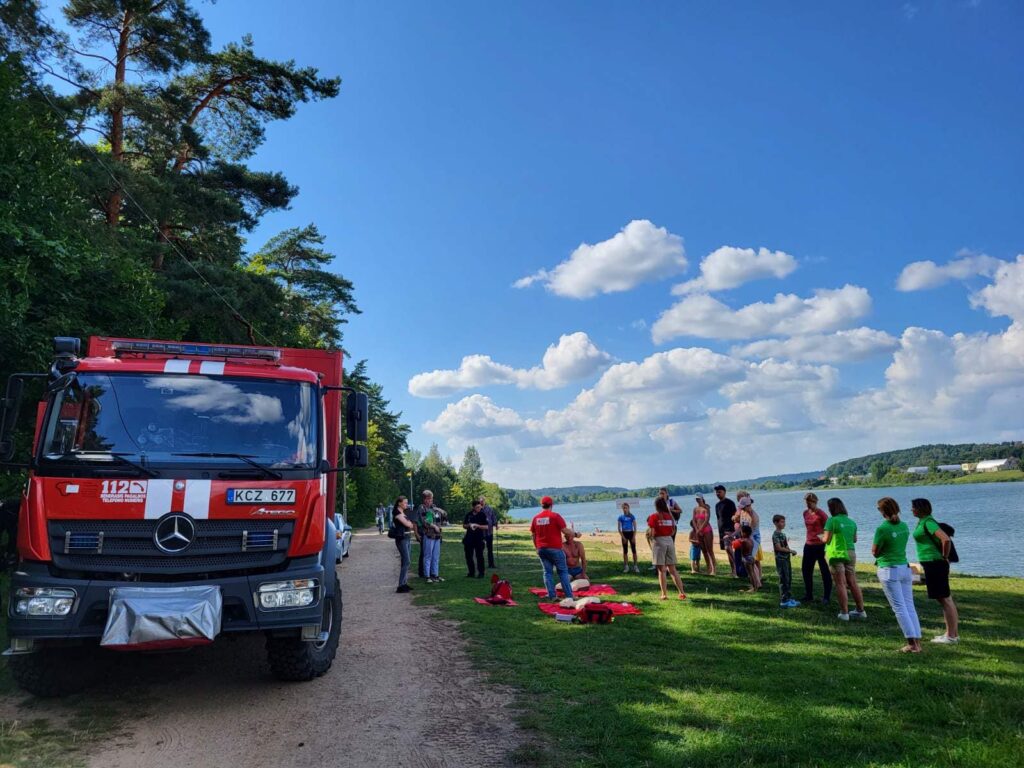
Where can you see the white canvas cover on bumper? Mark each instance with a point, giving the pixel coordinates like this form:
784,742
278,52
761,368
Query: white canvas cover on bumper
162,617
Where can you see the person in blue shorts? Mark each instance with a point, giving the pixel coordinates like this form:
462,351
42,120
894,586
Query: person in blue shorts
627,532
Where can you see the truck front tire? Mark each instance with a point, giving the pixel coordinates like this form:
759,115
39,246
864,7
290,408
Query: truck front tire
296,660
53,672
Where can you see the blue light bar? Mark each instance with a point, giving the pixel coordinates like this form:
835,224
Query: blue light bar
194,350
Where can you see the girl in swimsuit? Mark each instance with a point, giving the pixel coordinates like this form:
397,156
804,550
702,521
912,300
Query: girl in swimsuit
700,523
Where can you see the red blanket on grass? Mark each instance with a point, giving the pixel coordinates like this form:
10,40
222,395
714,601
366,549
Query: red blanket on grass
485,601
618,609
594,590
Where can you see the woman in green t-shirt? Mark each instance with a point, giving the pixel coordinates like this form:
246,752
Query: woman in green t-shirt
889,547
933,547
840,536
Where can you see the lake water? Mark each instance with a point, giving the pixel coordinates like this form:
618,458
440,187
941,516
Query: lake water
986,516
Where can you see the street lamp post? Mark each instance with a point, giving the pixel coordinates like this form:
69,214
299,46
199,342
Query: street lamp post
409,474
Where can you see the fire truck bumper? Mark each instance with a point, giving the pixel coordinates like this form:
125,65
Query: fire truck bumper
43,607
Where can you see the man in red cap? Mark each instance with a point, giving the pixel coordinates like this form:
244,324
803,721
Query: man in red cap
547,528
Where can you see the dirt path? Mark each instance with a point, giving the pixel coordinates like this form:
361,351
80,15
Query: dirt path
377,706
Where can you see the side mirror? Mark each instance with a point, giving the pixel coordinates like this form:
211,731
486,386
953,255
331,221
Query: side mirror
357,417
356,456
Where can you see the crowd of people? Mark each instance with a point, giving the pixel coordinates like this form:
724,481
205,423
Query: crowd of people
425,523
829,545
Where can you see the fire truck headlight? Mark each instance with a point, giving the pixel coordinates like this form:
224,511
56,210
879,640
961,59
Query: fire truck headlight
297,593
44,601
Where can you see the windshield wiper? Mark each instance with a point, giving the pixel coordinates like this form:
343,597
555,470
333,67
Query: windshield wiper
122,457
241,456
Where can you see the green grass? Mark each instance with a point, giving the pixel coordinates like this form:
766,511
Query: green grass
1003,476
728,679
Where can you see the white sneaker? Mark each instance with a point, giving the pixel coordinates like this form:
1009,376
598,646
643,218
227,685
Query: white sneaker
625,569
844,616
636,569
859,614
946,640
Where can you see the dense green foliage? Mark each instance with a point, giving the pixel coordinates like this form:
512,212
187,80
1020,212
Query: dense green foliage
877,464
454,489
729,679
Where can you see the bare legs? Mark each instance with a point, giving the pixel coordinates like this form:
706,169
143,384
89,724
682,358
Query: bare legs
844,581
949,613
663,581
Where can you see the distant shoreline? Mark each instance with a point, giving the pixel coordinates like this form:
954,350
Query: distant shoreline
1005,476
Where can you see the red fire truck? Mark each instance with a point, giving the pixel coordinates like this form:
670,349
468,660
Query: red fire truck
177,492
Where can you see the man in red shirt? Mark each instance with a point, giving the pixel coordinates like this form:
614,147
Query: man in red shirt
547,528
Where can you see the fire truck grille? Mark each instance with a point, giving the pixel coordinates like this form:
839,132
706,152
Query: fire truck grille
120,546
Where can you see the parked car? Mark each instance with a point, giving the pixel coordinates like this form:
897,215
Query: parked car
343,535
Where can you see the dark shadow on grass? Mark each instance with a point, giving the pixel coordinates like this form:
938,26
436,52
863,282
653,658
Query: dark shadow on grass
732,680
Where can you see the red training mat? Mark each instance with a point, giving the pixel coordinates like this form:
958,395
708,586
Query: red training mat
485,601
594,590
618,609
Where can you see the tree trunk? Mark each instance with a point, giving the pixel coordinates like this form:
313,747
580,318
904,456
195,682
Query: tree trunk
115,199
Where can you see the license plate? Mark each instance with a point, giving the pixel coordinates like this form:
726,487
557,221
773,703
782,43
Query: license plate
261,495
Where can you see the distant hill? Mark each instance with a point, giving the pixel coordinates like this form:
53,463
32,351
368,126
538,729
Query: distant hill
792,477
925,456
523,498
575,489
921,456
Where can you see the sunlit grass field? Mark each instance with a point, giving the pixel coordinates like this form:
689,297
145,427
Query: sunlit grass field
729,679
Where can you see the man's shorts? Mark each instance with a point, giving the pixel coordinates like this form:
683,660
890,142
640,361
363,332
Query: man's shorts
664,550
848,566
721,538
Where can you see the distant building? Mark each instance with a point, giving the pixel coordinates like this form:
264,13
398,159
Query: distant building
834,480
950,468
969,466
997,465
917,470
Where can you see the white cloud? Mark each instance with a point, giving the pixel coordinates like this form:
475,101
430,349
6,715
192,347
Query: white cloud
922,275
473,371
840,347
475,416
573,357
692,414
729,267
639,253
1005,296
787,315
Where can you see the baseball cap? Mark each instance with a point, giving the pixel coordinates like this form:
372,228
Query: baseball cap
745,502
719,487
547,501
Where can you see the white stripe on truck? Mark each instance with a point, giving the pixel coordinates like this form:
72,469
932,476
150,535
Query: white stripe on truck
197,499
158,496
211,368
176,366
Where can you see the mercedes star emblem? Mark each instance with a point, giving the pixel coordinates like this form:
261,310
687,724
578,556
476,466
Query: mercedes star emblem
174,534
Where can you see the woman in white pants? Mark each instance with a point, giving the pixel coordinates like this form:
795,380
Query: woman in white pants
890,550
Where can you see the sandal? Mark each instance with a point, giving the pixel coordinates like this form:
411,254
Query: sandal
909,649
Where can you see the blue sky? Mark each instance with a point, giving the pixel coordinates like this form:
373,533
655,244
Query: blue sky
474,144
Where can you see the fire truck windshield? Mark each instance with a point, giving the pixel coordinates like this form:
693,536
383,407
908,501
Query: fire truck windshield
155,416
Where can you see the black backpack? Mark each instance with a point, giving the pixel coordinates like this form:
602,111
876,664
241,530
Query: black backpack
949,530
